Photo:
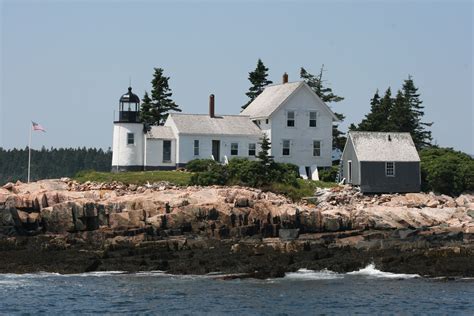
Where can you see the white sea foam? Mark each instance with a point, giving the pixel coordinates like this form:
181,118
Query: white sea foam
371,272
305,274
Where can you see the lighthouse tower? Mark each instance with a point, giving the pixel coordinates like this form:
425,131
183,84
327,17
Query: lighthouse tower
128,139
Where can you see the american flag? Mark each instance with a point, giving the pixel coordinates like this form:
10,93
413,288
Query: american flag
37,127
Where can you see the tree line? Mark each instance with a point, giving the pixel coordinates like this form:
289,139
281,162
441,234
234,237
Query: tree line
51,163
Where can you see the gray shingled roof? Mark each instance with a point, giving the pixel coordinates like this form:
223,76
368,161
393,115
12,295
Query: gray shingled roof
376,146
270,99
275,95
161,132
203,124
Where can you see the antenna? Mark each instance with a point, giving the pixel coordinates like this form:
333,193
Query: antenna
129,81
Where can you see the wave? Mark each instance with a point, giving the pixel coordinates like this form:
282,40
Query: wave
371,272
305,274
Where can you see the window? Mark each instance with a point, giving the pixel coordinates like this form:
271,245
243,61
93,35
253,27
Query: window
252,149
316,148
312,119
196,147
166,151
349,171
390,169
234,149
266,121
130,138
290,118
286,147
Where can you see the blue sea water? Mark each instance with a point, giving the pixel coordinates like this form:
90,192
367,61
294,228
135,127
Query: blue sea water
367,291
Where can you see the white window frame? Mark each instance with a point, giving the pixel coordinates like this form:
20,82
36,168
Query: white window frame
288,118
231,148
317,148
315,119
132,138
254,149
196,148
387,169
283,147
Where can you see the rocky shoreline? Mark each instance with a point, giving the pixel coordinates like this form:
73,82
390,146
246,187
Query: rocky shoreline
66,227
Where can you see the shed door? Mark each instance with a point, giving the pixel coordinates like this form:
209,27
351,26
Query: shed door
349,171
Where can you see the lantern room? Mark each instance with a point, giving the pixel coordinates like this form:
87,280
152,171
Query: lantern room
129,107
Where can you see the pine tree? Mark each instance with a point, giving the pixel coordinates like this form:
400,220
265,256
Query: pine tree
316,83
381,119
372,121
263,154
147,111
421,136
401,118
258,79
161,98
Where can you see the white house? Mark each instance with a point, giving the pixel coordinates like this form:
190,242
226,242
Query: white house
297,122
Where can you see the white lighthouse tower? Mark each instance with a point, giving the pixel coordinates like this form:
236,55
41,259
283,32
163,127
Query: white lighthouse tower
128,139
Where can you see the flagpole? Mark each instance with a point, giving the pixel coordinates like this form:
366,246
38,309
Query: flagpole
29,156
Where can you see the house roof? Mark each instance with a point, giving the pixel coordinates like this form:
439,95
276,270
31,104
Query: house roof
273,97
160,132
377,146
203,124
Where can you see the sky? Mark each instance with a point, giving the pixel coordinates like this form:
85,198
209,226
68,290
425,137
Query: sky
65,64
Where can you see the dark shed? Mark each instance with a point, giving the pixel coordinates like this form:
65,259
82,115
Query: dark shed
381,162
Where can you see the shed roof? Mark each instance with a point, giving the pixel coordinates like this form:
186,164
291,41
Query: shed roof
378,146
203,124
160,132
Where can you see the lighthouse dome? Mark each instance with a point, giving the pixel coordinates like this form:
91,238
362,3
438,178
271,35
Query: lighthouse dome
129,97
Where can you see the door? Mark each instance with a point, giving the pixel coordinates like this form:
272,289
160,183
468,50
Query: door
166,151
349,171
216,149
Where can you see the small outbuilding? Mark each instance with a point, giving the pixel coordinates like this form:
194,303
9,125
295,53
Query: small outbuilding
381,162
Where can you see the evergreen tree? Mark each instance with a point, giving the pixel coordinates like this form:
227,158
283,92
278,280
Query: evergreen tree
316,83
401,118
258,79
161,98
147,111
381,119
373,120
263,155
421,136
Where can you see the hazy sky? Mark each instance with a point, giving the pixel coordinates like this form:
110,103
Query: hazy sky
65,64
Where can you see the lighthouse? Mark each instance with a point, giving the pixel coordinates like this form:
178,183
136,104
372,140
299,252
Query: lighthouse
128,137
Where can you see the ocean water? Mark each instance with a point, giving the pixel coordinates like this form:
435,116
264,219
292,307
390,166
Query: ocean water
367,291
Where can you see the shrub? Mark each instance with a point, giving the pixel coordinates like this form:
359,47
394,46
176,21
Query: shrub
444,170
216,174
200,165
246,172
284,173
329,174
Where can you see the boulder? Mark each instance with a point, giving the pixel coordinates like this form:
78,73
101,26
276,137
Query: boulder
6,218
58,218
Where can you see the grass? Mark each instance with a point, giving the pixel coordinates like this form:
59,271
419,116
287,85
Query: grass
140,178
304,188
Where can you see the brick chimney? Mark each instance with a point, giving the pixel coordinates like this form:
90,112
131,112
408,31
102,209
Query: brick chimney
285,78
211,106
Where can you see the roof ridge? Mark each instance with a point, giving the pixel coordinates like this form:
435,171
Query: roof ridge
280,84
205,114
